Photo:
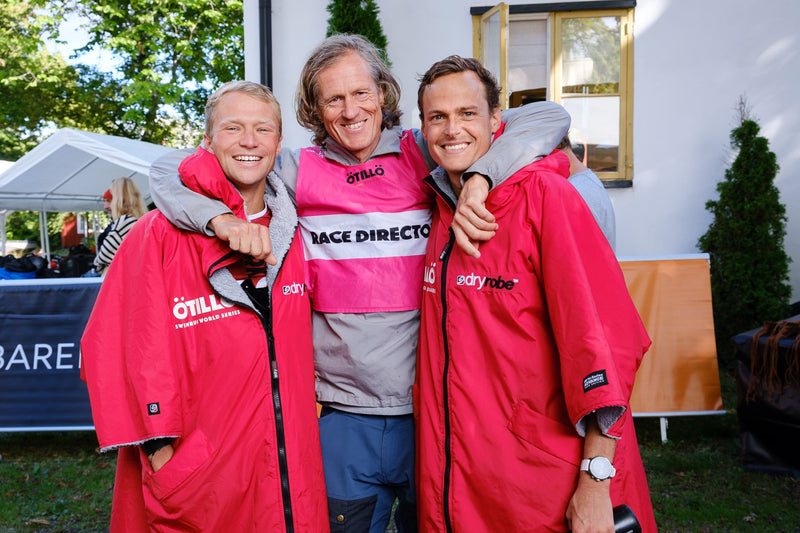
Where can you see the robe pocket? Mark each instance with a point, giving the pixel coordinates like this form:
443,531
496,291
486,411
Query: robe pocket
548,435
189,457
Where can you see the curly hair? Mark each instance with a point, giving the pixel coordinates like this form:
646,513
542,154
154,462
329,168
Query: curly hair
325,55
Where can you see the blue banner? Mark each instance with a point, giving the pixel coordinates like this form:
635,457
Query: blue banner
41,324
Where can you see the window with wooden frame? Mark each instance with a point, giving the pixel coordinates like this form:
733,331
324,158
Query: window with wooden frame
579,54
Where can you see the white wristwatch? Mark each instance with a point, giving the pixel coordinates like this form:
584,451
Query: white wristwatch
600,468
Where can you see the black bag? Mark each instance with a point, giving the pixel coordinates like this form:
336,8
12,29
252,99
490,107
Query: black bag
768,383
79,261
22,264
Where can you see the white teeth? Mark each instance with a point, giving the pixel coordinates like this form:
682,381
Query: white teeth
354,126
247,158
454,147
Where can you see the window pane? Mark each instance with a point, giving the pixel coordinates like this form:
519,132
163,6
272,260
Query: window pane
528,75
490,33
595,131
590,48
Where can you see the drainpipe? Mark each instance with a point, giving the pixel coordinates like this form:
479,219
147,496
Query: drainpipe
265,40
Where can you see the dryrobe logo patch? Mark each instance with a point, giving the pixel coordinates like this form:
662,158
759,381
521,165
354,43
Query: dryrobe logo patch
394,233
201,310
486,282
360,176
294,288
594,380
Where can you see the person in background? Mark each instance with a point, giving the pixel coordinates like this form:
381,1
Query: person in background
527,356
198,360
592,191
126,207
107,209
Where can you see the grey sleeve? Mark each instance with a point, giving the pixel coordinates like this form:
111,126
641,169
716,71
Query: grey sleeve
531,132
182,206
286,167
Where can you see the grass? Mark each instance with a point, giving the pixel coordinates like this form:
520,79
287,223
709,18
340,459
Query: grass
697,483
56,482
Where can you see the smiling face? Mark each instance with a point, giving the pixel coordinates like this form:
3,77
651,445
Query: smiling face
457,122
245,137
350,105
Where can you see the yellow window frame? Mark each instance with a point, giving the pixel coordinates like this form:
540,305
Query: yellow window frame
624,174
479,24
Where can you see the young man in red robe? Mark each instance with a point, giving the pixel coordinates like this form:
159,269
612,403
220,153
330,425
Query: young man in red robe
527,354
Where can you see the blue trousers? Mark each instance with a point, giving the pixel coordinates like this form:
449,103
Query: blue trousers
368,461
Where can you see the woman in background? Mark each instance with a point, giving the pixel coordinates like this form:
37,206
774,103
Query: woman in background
126,207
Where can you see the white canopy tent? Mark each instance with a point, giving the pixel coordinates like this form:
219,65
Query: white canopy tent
3,212
70,170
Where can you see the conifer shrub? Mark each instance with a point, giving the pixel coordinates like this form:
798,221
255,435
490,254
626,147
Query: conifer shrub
749,267
359,17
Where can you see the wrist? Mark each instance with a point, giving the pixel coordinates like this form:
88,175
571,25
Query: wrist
153,445
590,486
217,224
467,175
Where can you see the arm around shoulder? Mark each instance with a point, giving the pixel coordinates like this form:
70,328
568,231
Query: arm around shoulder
183,207
531,132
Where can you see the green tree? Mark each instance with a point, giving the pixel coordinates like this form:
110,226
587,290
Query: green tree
173,54
594,39
29,75
40,91
24,225
359,17
749,267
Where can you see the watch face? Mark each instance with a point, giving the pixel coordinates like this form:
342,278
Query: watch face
600,468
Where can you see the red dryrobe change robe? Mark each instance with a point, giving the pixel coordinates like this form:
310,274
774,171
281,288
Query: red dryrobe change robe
515,348
174,348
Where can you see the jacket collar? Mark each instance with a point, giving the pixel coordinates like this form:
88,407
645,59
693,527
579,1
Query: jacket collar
389,143
202,173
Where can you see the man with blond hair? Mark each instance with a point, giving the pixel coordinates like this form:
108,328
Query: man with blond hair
198,360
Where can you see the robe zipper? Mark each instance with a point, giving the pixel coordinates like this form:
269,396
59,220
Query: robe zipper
444,257
265,313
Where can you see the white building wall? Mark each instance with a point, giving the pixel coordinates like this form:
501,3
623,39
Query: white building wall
692,62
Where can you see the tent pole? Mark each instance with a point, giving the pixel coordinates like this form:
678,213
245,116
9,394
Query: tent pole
3,231
45,242
95,227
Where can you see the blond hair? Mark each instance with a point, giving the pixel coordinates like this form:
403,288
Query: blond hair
251,89
126,199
